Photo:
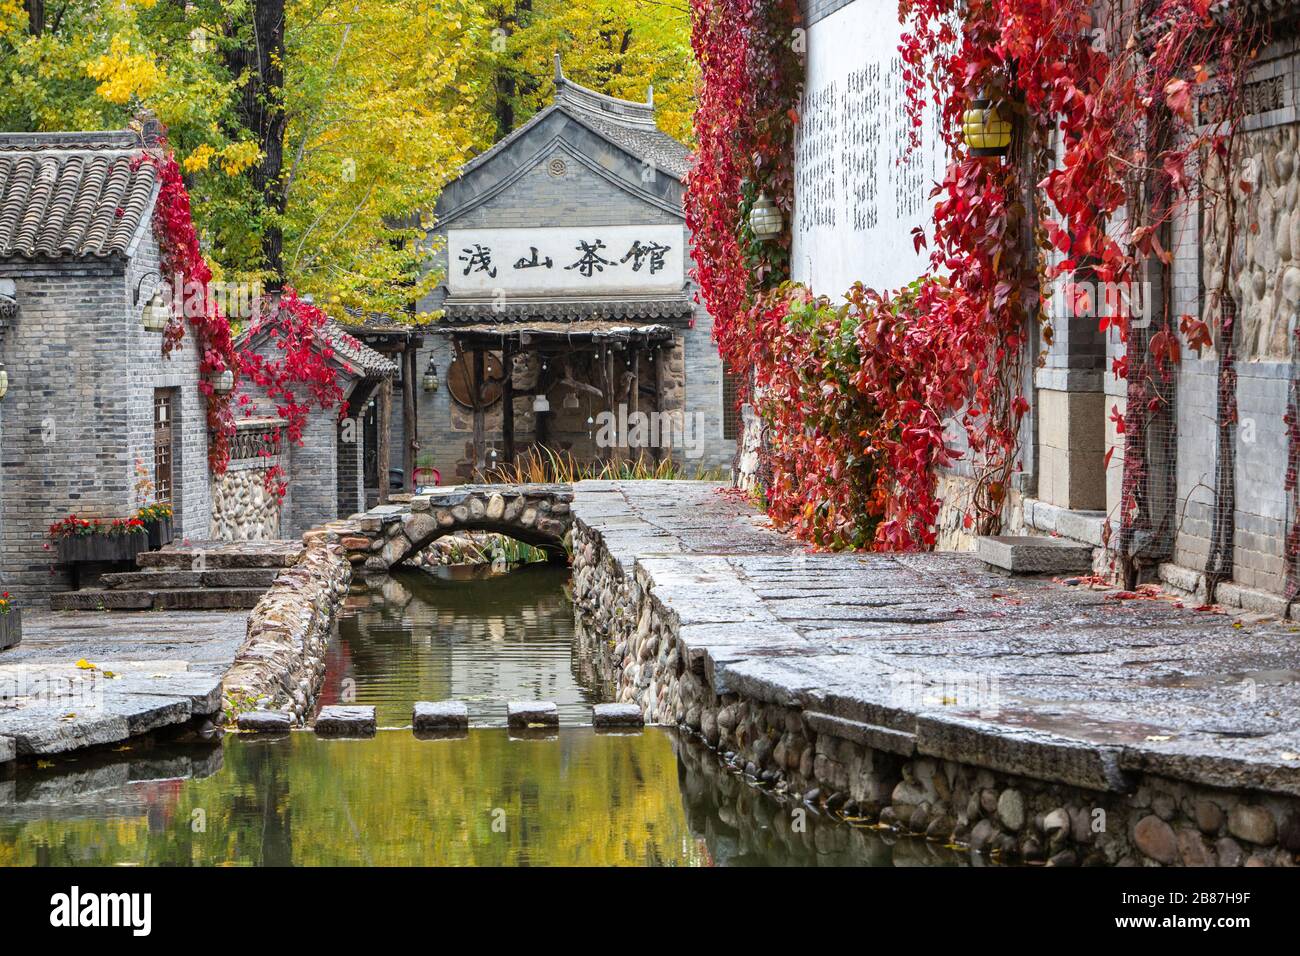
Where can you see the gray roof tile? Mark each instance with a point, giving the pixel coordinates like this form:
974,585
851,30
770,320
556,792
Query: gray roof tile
72,194
628,125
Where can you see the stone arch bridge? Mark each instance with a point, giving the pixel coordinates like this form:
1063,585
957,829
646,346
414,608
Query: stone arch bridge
385,536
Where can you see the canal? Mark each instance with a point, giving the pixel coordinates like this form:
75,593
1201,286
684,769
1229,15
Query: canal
487,797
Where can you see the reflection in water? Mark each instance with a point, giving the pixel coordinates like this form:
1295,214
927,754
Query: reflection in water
485,799
481,638
574,797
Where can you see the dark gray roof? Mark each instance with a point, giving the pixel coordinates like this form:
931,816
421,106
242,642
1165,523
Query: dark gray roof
358,358
628,125
623,308
353,356
73,194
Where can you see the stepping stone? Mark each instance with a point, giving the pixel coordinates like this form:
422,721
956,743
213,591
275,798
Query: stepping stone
532,713
264,721
617,715
440,715
1030,554
340,721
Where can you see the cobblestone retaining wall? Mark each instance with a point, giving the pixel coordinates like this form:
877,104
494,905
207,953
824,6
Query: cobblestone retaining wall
243,509
282,662
869,772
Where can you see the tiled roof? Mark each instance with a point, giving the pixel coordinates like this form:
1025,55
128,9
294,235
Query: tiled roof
628,125
569,331
72,194
351,351
625,308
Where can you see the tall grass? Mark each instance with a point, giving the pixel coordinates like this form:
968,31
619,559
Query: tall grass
544,465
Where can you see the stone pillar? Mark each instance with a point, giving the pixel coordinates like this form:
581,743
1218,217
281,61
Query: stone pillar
1072,412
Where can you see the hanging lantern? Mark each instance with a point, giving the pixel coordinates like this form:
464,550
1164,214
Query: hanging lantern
156,315
431,377
541,404
222,381
765,218
984,129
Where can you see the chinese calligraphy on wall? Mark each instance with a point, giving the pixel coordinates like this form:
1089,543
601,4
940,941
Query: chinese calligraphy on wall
603,259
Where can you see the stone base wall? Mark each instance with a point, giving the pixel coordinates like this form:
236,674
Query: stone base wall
860,771
281,664
243,508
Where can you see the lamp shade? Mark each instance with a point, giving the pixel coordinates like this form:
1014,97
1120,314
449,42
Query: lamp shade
156,314
765,218
984,129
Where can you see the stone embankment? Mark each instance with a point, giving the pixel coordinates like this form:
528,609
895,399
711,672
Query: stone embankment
1022,717
281,664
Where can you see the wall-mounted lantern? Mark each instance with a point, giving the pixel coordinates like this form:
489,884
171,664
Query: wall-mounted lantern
4,381
222,381
541,404
156,314
986,128
765,218
571,401
431,377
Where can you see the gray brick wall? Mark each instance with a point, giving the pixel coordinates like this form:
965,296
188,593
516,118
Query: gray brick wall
79,412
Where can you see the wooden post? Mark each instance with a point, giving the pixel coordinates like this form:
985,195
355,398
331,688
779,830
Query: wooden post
508,403
409,441
634,396
383,423
664,429
480,450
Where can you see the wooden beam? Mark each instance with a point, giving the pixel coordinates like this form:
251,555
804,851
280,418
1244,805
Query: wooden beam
508,403
657,358
383,424
634,395
480,450
410,444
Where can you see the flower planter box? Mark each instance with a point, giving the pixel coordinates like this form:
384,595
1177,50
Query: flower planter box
159,532
11,628
101,547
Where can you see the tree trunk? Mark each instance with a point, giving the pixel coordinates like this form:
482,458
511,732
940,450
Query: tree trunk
260,107
35,17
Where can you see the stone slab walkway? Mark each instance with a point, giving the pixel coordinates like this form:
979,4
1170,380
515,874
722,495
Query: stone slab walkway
150,671
931,653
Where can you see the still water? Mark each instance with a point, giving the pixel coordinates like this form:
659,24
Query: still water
487,797
466,635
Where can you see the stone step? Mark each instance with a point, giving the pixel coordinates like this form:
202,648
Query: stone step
532,713
339,720
156,579
223,555
1030,554
136,599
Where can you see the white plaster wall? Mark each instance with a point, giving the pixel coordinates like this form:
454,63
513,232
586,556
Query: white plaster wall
855,203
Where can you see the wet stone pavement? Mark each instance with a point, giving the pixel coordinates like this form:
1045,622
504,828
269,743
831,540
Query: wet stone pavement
87,679
933,654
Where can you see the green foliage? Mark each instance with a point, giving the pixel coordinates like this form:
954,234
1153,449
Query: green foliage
384,100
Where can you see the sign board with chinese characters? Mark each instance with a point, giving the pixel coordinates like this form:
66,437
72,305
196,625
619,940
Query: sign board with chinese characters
602,260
